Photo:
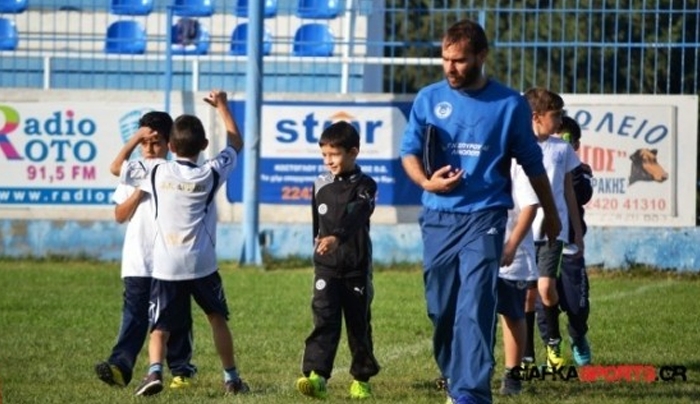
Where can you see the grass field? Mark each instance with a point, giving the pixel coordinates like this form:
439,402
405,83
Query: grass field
57,319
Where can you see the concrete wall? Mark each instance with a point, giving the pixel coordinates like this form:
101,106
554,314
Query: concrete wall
610,248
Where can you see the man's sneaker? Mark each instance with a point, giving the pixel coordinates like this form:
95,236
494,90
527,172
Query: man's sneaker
237,386
510,385
554,358
181,382
110,374
312,386
581,351
360,390
150,385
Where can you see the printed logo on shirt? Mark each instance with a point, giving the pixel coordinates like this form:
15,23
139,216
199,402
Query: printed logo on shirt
322,209
443,110
320,284
492,231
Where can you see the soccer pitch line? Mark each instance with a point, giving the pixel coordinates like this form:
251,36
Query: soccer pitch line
638,291
390,354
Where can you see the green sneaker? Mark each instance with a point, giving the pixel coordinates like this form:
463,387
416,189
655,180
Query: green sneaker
181,382
554,358
360,390
312,386
110,374
582,351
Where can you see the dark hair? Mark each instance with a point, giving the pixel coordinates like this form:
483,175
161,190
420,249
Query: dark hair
542,100
570,126
159,121
340,134
188,138
467,31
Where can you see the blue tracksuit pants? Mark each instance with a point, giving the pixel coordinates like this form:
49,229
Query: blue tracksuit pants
461,261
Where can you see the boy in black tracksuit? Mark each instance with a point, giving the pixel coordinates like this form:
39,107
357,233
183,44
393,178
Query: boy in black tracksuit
572,284
343,201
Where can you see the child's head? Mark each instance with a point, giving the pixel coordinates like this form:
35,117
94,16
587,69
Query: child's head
161,123
570,131
188,138
340,145
547,110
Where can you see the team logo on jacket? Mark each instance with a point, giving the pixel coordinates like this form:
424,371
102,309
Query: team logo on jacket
443,110
320,284
322,209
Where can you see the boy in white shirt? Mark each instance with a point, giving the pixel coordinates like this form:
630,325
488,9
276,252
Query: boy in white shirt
559,160
133,205
185,263
518,270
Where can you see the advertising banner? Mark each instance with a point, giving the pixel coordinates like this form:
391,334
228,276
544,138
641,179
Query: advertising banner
59,153
642,150
290,158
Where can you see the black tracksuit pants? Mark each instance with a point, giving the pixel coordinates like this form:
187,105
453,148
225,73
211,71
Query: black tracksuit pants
333,299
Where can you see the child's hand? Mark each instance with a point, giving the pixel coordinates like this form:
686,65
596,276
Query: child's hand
326,245
216,98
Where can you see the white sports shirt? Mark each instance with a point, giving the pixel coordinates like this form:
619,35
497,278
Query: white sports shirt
183,196
137,251
524,266
559,158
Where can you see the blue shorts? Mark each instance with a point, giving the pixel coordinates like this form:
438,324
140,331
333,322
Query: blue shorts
511,298
170,299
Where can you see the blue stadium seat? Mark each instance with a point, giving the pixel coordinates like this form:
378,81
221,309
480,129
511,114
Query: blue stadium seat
8,35
126,36
12,6
239,39
318,9
131,7
269,8
313,40
197,44
193,8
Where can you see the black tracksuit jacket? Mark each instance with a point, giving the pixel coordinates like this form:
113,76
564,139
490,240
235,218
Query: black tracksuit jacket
342,206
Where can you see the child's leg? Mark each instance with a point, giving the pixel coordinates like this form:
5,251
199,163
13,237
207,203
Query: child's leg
209,294
168,298
322,344
530,299
223,341
513,340
156,348
132,332
179,347
573,288
356,299
548,263
511,307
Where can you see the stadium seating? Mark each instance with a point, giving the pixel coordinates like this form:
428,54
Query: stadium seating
269,8
313,39
131,7
318,9
193,8
12,6
239,40
125,36
197,44
8,35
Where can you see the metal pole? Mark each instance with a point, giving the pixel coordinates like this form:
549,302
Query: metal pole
168,58
253,105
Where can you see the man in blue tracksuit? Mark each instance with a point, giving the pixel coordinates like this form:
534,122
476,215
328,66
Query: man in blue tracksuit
476,126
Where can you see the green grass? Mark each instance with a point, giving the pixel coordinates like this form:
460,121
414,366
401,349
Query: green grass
58,318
